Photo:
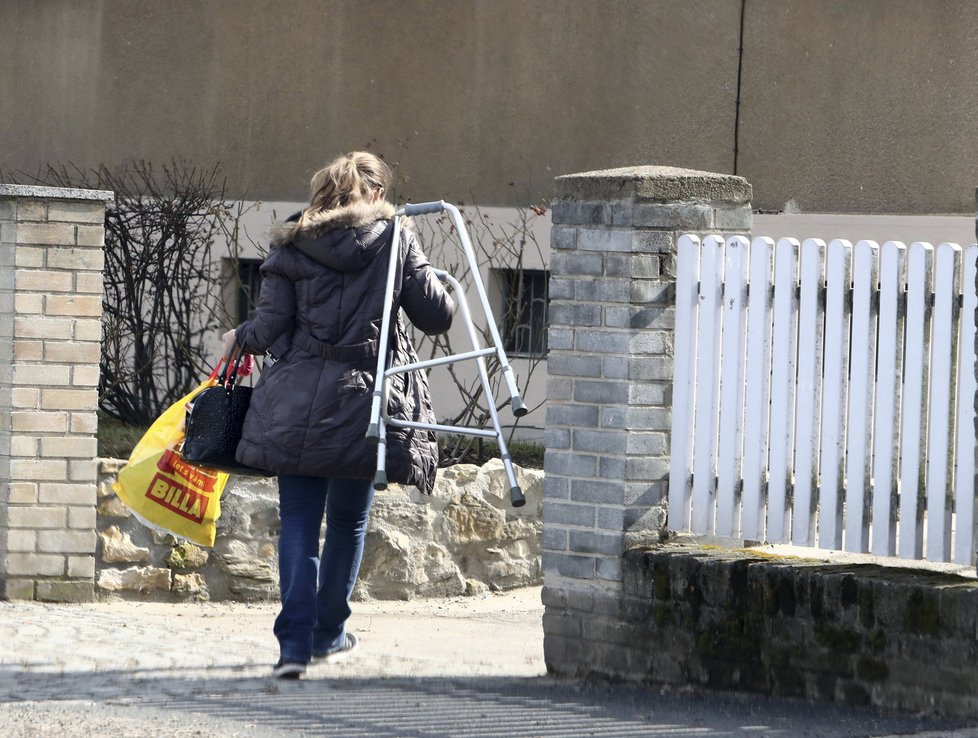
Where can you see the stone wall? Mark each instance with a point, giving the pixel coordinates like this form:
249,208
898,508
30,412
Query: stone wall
852,633
464,538
50,308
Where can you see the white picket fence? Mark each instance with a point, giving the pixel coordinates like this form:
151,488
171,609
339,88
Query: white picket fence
825,395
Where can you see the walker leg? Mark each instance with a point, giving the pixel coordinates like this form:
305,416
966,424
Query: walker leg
516,497
374,428
380,477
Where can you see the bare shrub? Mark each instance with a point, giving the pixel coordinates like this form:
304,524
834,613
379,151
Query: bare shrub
162,294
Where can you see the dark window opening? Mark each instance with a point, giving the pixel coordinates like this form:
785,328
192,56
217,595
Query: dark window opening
249,285
525,299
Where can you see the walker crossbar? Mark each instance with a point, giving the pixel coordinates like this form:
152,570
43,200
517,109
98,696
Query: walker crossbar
460,429
379,420
426,364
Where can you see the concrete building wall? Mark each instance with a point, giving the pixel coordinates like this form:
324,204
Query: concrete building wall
862,106
844,107
934,229
467,96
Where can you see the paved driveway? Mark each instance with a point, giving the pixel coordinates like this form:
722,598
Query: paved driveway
459,668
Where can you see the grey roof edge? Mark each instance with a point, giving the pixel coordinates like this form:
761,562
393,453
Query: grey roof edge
653,183
55,193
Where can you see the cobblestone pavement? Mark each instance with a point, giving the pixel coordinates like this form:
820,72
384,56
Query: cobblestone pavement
465,668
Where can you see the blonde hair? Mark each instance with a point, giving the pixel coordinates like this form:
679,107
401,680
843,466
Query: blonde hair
347,180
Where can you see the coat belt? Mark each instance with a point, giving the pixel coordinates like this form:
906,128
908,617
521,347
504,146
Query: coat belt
350,354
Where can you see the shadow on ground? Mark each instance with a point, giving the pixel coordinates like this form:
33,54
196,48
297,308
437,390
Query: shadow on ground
220,702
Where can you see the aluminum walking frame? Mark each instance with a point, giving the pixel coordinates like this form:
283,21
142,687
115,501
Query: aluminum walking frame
379,419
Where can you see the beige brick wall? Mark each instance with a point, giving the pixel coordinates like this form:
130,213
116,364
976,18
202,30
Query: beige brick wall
51,257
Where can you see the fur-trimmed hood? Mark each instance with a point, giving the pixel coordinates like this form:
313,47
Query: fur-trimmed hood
357,215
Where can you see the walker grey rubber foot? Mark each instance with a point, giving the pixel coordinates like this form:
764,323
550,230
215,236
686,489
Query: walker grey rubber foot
373,432
519,407
516,497
380,481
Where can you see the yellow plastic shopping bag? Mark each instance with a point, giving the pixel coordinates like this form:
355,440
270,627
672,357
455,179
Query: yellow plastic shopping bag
162,489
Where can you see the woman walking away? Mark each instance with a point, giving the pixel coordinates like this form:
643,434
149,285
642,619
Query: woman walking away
318,322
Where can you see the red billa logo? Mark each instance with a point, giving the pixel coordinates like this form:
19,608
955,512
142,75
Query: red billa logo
184,501
172,463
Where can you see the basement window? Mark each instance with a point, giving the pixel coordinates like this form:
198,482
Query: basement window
525,300
249,285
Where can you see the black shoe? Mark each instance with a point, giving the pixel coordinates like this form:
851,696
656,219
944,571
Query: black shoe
288,670
338,653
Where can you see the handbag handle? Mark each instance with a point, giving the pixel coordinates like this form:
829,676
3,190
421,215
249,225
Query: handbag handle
229,375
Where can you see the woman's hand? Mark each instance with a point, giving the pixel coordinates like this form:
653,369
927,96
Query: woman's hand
227,341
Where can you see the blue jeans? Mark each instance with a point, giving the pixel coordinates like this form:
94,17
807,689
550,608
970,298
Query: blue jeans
316,593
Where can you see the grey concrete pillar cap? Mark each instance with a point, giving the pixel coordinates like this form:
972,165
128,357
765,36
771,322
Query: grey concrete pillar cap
653,183
54,193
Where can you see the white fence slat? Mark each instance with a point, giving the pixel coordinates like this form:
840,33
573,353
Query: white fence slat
913,416
736,257
681,443
835,360
782,387
757,388
707,379
964,456
939,402
808,392
862,368
886,427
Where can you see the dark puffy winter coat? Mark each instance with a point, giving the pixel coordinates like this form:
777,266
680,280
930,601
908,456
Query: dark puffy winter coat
319,316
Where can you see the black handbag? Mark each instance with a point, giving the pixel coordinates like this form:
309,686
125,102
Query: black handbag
214,422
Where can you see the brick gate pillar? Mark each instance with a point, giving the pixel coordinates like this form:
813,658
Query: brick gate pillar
50,337
609,392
